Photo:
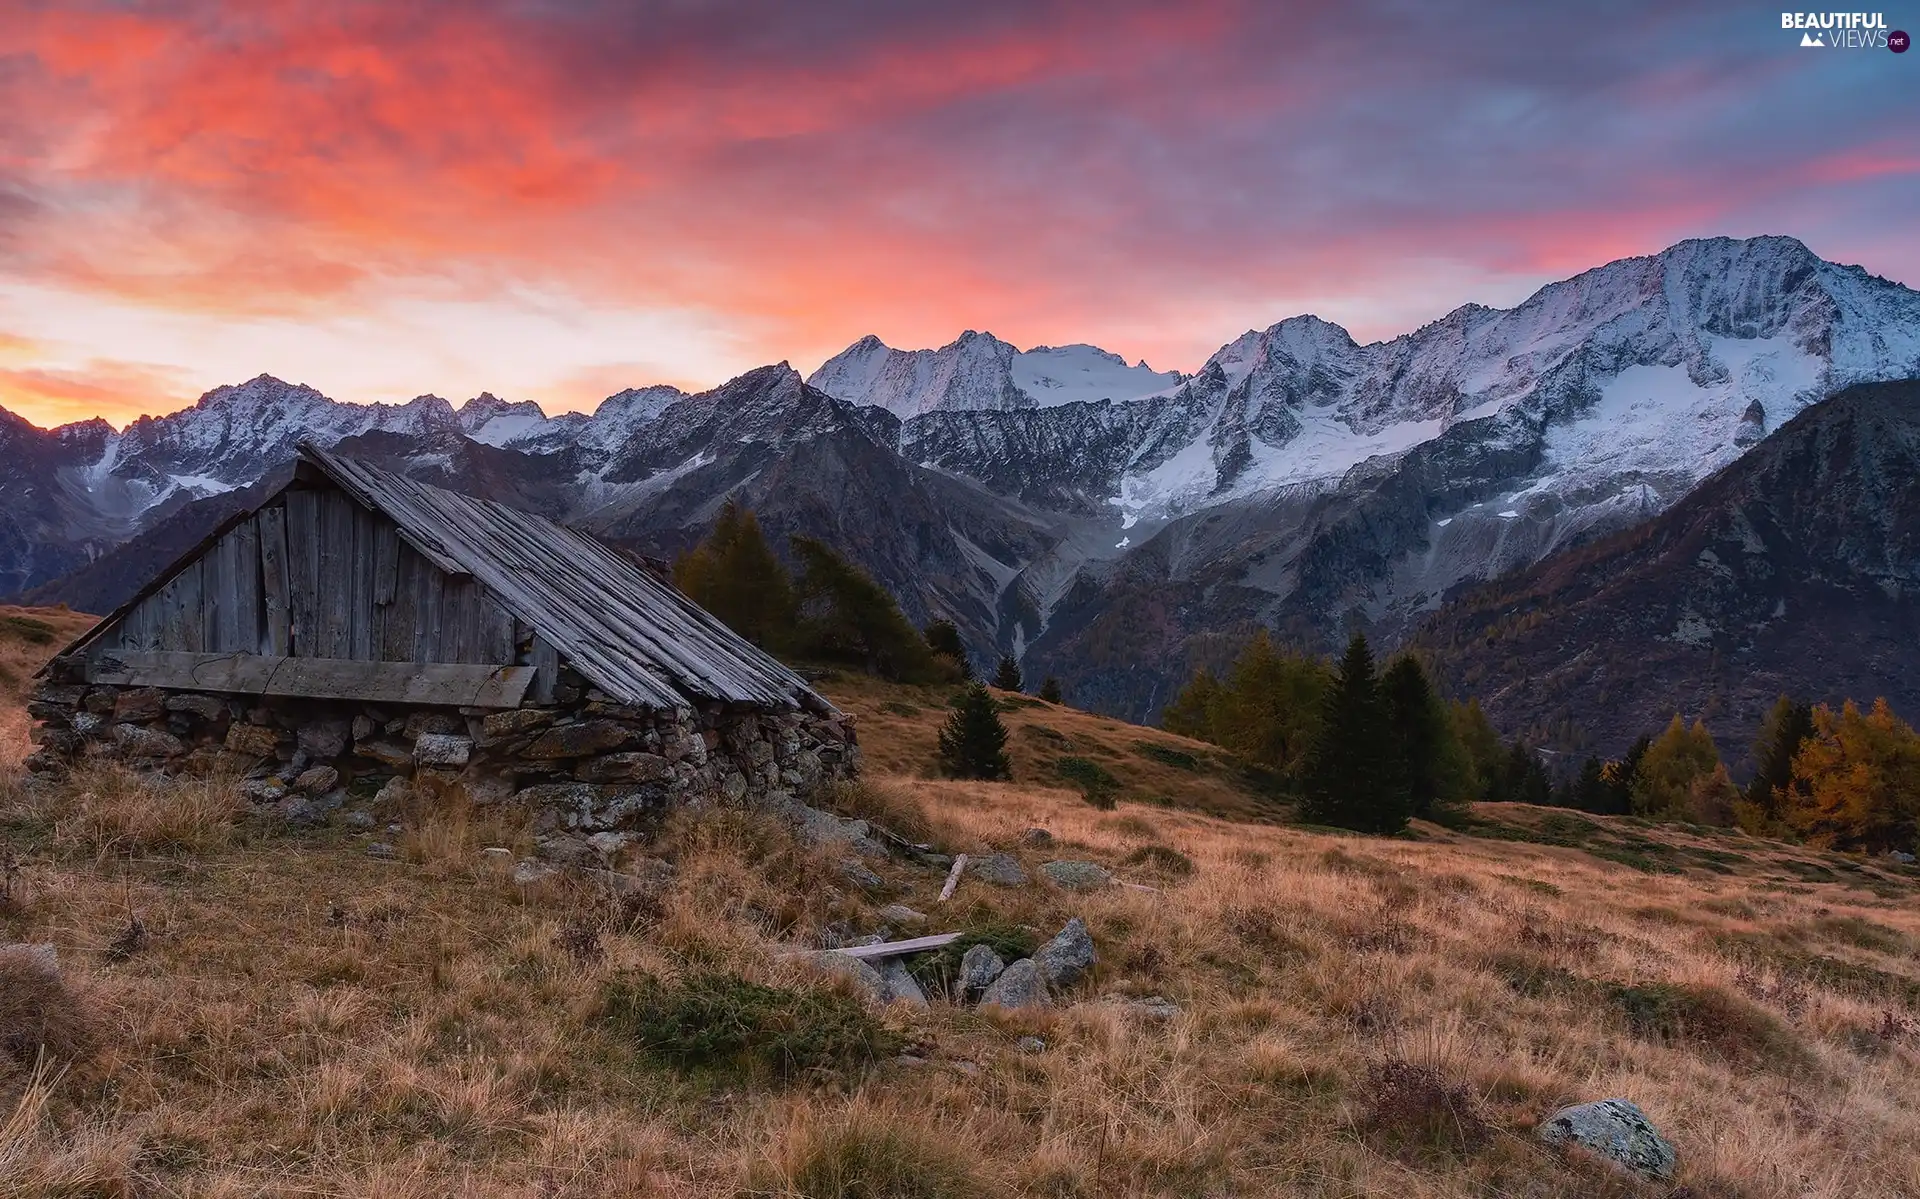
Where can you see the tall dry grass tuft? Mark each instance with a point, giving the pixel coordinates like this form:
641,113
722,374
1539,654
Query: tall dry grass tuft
93,1159
866,1150
40,1015
110,810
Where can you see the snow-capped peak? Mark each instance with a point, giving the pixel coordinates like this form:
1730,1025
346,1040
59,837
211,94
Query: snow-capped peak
977,372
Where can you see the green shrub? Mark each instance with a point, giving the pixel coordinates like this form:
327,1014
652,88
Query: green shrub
1682,1014
1161,859
1167,755
29,630
1097,785
716,1020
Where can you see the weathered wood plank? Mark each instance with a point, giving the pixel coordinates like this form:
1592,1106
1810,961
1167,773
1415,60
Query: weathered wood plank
953,877
336,565
894,949
545,658
399,635
435,683
248,614
428,613
360,583
303,569
273,580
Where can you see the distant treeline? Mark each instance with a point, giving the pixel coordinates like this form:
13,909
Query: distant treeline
1365,752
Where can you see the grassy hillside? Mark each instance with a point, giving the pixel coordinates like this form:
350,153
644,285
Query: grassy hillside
28,637
1357,1017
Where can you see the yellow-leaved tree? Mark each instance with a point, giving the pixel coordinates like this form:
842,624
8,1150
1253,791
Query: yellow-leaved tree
1663,786
1856,781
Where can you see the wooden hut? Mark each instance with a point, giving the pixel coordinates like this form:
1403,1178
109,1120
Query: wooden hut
360,625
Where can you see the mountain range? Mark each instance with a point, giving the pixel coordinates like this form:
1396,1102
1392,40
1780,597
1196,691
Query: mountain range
1112,525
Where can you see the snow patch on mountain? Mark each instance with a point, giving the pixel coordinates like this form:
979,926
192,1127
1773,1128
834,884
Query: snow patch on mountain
978,372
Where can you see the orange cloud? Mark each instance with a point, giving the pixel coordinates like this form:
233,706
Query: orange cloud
117,391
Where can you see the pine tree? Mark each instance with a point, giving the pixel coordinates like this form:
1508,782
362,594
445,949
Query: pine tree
1432,762
1663,784
1589,791
1481,745
1787,727
1191,712
843,615
1521,777
1050,690
1622,774
1006,676
734,575
973,744
943,638
1349,782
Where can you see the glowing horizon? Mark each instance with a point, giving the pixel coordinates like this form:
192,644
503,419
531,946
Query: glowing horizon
554,203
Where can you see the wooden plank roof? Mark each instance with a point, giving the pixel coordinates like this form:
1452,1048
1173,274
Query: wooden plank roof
636,638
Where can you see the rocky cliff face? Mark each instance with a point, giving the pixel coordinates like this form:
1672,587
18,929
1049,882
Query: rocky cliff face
1796,569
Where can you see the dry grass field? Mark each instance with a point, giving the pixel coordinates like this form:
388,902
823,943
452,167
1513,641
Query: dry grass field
28,636
250,1010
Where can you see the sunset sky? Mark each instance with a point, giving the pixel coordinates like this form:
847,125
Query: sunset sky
554,200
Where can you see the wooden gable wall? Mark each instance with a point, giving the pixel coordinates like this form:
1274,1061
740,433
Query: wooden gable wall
315,575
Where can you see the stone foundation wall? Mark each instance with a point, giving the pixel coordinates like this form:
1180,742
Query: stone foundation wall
591,774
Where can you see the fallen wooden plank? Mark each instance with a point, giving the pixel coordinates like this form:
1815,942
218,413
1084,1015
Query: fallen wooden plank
953,877
431,683
894,949
1136,886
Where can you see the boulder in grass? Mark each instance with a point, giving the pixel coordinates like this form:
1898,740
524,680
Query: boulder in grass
901,987
979,966
1066,959
1077,876
1019,985
1615,1130
1000,869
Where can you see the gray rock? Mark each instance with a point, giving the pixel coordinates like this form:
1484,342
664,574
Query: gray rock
901,987
824,828
1030,1045
609,845
1154,1007
1000,869
139,705
252,740
39,957
206,707
442,749
1899,855
1066,959
497,853
500,726
1617,1131
380,849
263,791
363,727
323,739
857,873
582,739
316,780
387,753
633,765
899,915
392,792
1018,986
146,744
1036,838
1077,876
865,977
360,820
527,872
979,966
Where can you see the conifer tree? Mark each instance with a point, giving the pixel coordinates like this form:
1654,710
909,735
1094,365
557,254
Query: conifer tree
1621,775
734,575
1050,690
1589,791
1349,782
1485,755
1663,784
973,743
1432,762
1191,712
1787,727
843,615
943,638
1006,676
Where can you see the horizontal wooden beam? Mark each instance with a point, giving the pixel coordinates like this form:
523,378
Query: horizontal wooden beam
439,684
893,949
